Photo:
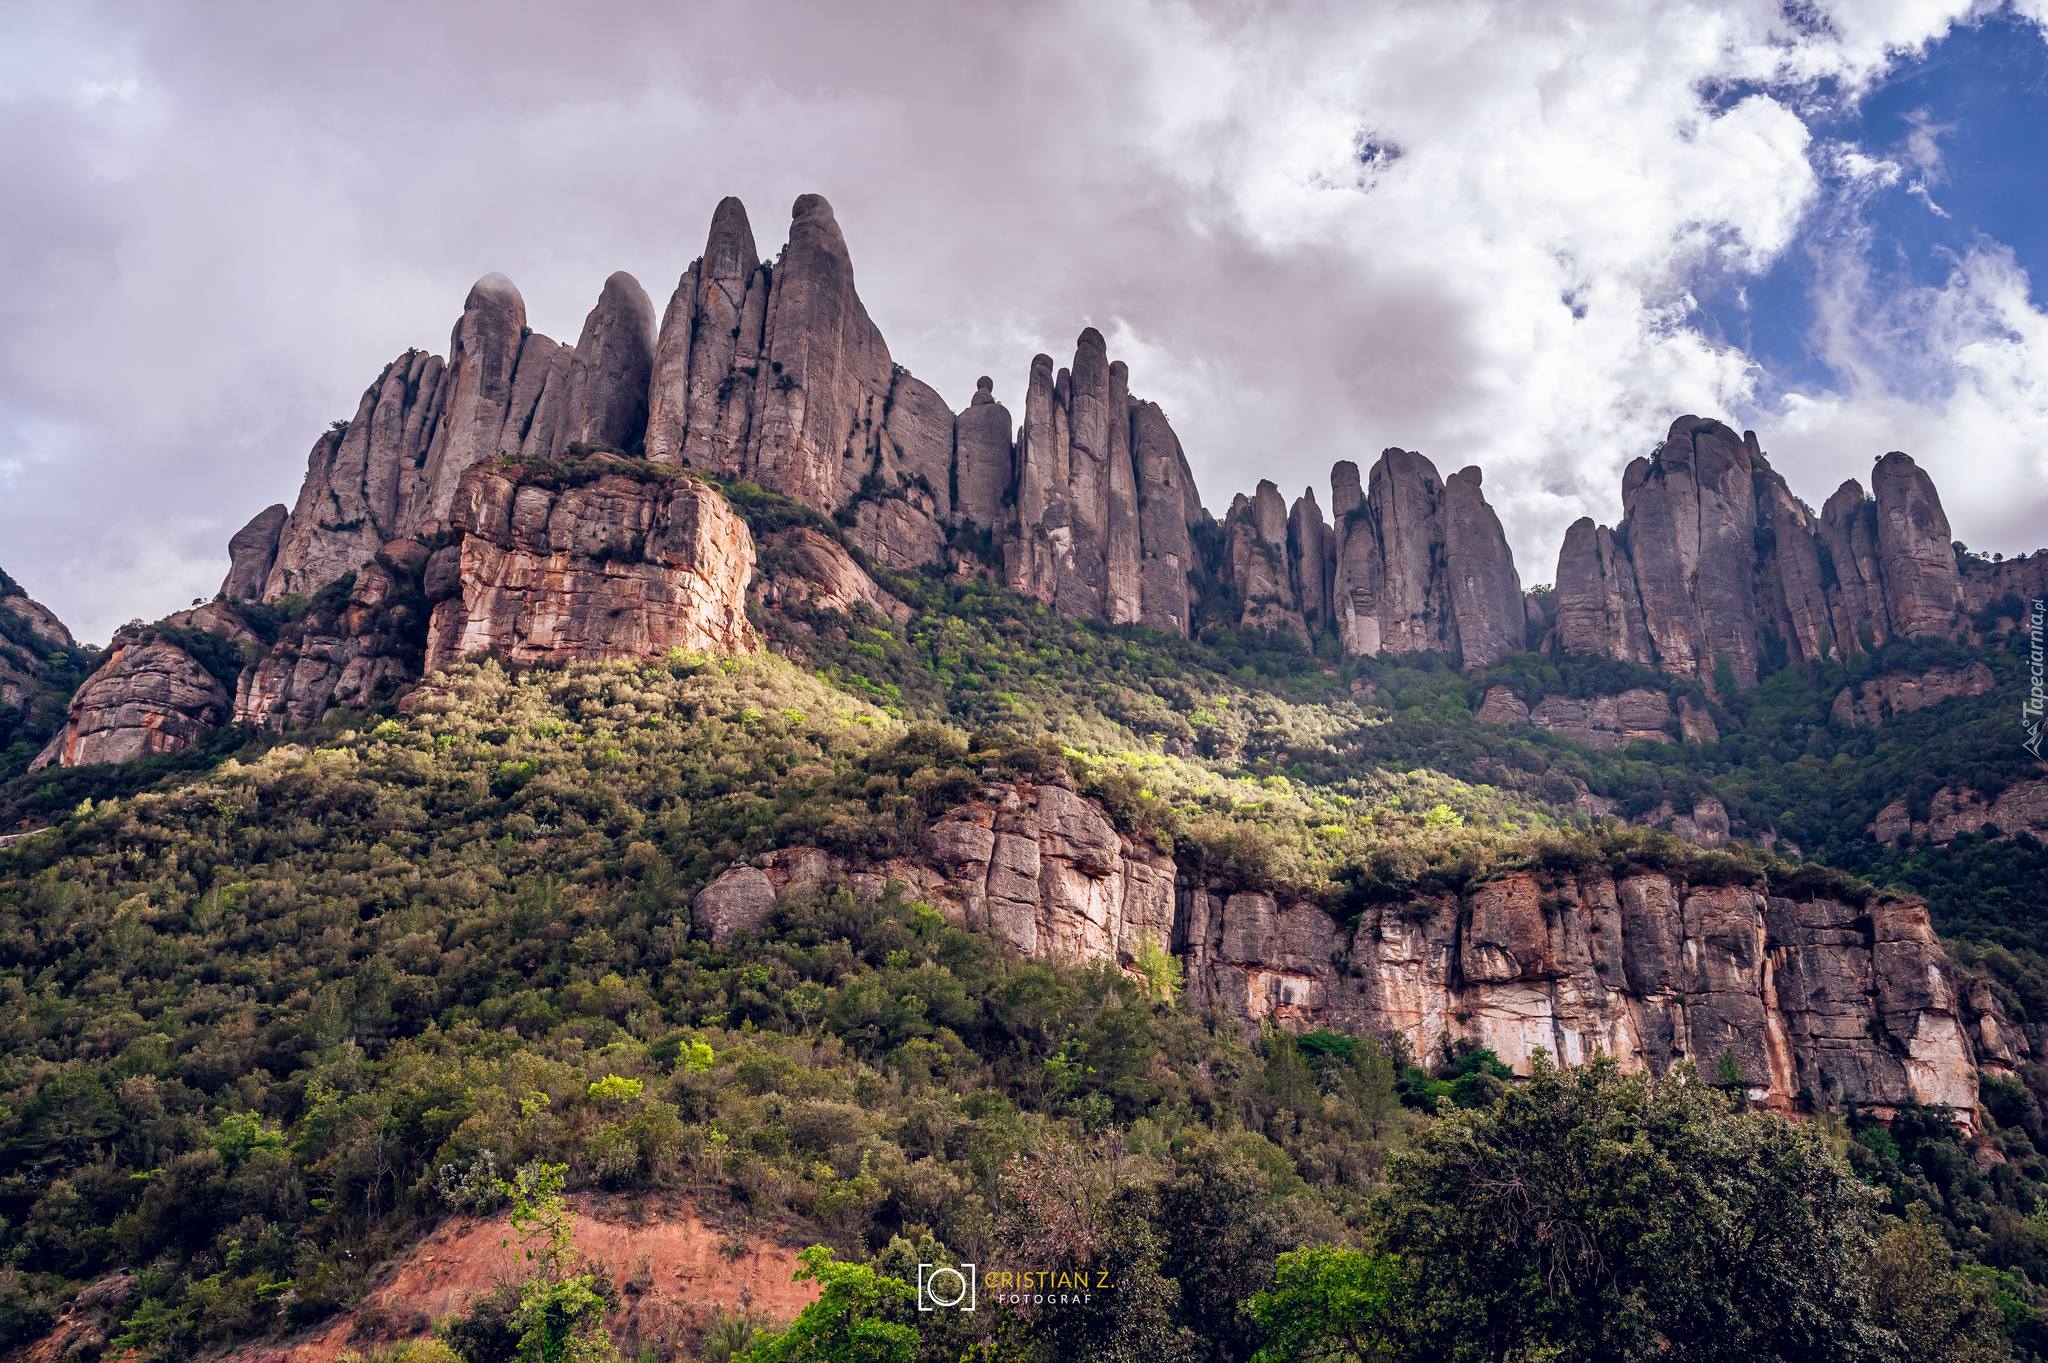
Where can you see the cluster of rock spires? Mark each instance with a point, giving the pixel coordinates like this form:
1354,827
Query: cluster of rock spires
1411,564
771,372
1715,561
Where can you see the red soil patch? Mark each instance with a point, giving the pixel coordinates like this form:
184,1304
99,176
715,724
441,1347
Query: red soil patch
671,1269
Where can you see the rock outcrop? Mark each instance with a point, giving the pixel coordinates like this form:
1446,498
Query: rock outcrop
352,649
2024,579
1718,572
252,553
152,694
805,571
1603,721
1877,699
2019,808
1922,586
1815,1000
30,636
623,565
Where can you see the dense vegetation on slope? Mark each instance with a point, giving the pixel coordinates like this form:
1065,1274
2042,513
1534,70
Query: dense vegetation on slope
47,674
273,1008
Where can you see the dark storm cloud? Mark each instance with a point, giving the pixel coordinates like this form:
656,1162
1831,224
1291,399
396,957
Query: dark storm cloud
235,215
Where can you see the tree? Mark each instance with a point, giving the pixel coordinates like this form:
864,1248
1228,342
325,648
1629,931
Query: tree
1223,1235
560,1316
860,1316
1595,1215
1327,1305
1932,1313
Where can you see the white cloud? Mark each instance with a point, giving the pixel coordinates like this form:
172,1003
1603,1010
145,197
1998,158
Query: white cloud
258,208
1955,373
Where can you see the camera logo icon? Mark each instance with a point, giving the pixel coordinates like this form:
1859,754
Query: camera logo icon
945,1287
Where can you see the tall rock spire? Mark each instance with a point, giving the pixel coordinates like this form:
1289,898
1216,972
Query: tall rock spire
496,375
1922,587
1485,592
1169,510
984,463
609,371
819,396
708,355
1311,562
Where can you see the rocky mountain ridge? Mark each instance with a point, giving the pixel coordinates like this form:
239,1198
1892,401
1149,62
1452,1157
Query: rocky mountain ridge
772,373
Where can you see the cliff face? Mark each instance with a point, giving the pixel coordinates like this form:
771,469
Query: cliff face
1815,1000
530,568
617,567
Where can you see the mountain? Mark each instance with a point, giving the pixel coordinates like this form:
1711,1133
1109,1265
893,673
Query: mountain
700,758
772,374
40,664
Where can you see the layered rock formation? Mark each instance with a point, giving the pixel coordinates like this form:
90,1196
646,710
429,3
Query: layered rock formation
1717,570
610,560
621,566
152,693
1813,999
1877,699
1604,721
1810,998
2019,808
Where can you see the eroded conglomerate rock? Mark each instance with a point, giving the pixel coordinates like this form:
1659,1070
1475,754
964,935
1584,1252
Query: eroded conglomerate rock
1877,699
357,645
774,373
1816,1000
806,571
2019,808
619,566
151,694
1717,570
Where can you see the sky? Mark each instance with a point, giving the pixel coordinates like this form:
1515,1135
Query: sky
1523,236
